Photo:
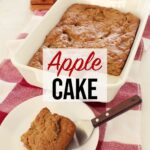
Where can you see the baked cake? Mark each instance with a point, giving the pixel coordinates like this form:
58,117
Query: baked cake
49,132
42,2
89,26
40,5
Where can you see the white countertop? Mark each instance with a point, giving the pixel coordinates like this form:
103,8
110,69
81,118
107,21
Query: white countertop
145,84
15,14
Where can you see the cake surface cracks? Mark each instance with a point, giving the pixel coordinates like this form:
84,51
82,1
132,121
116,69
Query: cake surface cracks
88,26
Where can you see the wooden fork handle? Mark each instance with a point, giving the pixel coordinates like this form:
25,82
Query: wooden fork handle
116,110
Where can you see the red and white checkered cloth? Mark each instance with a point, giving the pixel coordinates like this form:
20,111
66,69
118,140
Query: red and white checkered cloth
122,133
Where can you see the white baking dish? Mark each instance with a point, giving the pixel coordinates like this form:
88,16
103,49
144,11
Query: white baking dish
24,53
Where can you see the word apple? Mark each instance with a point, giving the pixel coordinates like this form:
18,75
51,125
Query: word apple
79,64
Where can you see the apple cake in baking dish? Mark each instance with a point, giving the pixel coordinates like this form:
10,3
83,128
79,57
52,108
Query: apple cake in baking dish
90,26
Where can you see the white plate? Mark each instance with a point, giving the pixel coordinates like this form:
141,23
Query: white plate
19,120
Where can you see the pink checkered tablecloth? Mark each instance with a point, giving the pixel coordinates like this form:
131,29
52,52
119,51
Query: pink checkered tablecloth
122,133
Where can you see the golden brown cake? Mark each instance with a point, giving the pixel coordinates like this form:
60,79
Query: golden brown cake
42,2
88,26
40,7
49,132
